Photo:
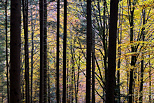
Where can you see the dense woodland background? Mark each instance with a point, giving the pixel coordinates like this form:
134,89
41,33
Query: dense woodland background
76,51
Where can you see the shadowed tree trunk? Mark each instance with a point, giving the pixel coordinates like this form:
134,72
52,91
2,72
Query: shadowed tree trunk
41,95
45,51
57,63
142,61
89,48
64,51
133,49
15,46
112,52
25,26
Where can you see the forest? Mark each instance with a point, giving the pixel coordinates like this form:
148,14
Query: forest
76,51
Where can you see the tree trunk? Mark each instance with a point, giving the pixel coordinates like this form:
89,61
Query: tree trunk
25,26
15,46
133,49
41,3
32,50
93,67
112,52
64,51
142,61
7,64
57,63
45,51
89,48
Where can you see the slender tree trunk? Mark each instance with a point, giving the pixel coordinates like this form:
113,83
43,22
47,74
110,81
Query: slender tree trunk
25,26
89,48
119,56
48,83
15,46
93,67
57,64
150,84
45,51
32,50
64,51
133,49
7,64
112,52
41,3
142,61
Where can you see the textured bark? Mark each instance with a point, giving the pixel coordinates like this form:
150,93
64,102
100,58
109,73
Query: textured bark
89,48
110,88
15,46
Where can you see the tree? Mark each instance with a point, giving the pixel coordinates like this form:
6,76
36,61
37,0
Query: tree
7,64
15,46
89,50
25,26
45,51
112,52
41,4
64,51
57,55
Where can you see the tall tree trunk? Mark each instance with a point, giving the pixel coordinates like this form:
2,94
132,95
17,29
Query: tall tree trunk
57,60
32,50
112,52
150,84
25,26
89,48
133,49
41,3
142,61
45,51
64,51
7,64
119,54
93,67
15,46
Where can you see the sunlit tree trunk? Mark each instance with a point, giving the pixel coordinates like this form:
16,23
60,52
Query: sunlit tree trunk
15,46
110,87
